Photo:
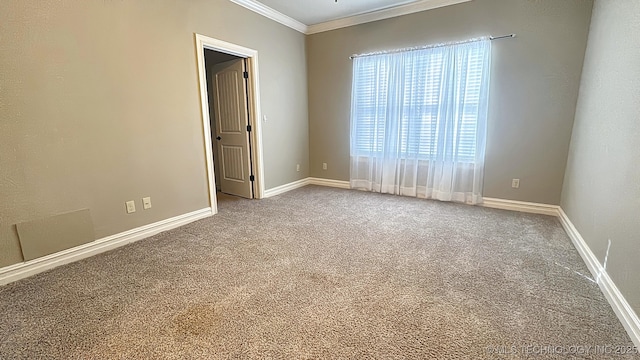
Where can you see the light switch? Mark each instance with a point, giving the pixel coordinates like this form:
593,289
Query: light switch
131,206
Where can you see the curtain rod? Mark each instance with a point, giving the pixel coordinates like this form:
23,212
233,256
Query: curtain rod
432,46
502,37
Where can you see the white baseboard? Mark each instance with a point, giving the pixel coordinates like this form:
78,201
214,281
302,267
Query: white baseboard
329,183
621,307
22,270
522,206
304,182
286,187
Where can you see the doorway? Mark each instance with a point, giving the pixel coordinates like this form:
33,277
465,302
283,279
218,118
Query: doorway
229,121
230,112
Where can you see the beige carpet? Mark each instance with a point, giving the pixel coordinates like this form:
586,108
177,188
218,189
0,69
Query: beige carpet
319,273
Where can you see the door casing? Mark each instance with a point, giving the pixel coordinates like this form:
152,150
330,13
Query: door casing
205,42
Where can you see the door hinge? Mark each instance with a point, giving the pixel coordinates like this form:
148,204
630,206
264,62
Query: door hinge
252,178
249,128
246,74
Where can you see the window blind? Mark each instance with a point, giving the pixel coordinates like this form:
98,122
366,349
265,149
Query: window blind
421,103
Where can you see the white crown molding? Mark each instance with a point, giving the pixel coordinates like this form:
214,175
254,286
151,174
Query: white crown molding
272,14
25,269
375,15
381,14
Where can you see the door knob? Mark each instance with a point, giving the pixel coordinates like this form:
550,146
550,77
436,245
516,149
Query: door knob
219,138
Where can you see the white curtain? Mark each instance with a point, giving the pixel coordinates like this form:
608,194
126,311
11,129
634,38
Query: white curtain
419,120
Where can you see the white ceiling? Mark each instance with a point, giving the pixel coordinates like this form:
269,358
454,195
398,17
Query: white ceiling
310,12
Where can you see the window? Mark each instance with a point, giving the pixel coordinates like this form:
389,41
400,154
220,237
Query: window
423,104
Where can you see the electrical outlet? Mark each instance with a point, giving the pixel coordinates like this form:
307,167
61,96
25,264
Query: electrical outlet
515,183
324,166
146,203
131,206
297,167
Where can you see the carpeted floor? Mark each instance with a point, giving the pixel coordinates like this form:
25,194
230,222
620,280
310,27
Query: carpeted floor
320,273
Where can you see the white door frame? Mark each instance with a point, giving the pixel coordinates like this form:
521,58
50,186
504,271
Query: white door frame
205,42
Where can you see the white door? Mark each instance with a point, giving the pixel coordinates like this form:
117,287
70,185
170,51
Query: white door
232,136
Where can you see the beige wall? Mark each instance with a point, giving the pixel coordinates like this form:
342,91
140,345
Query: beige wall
534,89
99,104
601,192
